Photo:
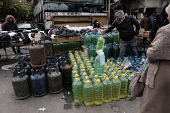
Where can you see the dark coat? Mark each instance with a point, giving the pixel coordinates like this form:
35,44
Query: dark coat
159,21
146,23
10,27
126,29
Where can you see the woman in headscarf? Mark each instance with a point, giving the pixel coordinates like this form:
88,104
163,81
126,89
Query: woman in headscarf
156,95
96,24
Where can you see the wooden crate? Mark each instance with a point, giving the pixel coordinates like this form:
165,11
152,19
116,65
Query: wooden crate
70,39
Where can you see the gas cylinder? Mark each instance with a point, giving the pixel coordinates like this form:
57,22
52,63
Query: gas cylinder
48,48
38,82
21,84
54,80
66,71
37,55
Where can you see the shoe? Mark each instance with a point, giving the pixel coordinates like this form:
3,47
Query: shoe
19,53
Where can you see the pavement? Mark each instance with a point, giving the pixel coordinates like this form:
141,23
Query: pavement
54,103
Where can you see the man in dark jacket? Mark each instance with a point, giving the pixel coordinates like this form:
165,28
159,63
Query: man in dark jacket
10,25
159,21
146,22
124,25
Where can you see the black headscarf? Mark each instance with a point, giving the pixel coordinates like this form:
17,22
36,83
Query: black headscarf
95,24
164,16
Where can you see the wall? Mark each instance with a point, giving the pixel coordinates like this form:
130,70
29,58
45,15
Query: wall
149,3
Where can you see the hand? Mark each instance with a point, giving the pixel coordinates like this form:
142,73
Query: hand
135,37
102,32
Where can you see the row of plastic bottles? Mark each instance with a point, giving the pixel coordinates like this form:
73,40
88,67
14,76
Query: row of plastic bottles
61,47
92,38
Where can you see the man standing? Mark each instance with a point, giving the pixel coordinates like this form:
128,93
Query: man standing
124,25
10,25
146,22
152,16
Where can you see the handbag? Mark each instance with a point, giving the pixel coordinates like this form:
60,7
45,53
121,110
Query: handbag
136,87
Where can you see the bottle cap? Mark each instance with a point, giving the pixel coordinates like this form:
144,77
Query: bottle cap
92,57
88,61
75,72
107,79
113,73
110,70
92,72
105,71
92,69
74,68
107,66
122,65
86,77
128,71
104,75
89,66
111,63
116,77
96,76
88,81
119,71
124,68
82,64
123,75
118,62
108,60
132,75
84,73
83,70
83,67
76,75
77,79
98,80
75,63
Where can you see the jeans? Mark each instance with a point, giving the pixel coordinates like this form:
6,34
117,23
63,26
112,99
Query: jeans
132,44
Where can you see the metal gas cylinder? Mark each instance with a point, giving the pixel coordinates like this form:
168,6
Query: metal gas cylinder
37,55
38,83
54,80
66,71
21,84
48,48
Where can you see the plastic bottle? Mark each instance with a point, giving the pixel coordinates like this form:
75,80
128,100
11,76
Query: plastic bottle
84,75
78,91
107,89
112,76
91,75
127,73
119,73
100,43
95,78
103,77
92,61
121,67
108,61
98,92
118,64
88,69
109,72
124,70
129,81
111,63
73,74
99,70
88,93
124,84
86,79
116,85
81,72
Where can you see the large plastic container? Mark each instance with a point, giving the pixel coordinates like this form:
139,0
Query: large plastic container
116,85
124,85
78,91
99,70
88,93
98,92
107,89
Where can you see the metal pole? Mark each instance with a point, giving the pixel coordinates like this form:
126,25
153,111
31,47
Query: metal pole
109,10
107,13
